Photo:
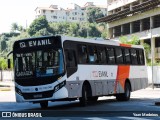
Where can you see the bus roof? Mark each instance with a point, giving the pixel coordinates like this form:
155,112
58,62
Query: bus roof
99,41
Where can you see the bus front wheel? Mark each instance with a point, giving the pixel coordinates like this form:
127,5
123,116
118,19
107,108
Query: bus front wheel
44,104
83,100
126,95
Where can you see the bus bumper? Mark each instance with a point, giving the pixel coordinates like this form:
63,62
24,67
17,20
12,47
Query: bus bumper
61,93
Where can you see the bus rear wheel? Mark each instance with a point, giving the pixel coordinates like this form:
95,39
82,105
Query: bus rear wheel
126,95
44,104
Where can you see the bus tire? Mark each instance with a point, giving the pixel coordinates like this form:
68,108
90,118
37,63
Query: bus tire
126,95
84,99
44,104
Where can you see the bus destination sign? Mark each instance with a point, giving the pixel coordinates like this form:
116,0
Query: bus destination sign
35,43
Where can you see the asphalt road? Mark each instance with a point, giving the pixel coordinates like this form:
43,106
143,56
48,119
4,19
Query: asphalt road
141,104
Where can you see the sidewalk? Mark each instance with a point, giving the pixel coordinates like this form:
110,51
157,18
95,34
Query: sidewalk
6,86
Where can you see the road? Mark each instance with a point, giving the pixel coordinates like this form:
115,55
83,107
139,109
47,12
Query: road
142,103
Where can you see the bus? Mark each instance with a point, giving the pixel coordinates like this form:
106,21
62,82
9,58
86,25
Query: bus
57,68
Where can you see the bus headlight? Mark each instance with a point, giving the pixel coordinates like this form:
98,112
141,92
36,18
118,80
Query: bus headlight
59,86
18,91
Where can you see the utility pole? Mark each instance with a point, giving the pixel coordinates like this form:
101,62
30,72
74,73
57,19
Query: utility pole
152,52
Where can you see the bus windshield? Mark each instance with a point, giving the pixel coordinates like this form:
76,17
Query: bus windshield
39,63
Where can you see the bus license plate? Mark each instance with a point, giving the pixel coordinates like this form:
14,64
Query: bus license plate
37,96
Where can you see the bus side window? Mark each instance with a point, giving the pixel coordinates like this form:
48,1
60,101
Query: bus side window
119,56
127,56
134,57
82,54
101,55
70,58
141,57
93,57
111,55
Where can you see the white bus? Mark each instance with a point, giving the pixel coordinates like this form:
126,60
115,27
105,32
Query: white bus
55,68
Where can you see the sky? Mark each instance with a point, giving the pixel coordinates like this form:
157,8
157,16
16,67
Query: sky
22,12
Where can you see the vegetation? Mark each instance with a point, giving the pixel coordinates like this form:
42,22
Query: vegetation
39,25
3,64
135,41
16,28
93,14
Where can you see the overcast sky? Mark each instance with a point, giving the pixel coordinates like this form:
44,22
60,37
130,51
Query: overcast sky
22,11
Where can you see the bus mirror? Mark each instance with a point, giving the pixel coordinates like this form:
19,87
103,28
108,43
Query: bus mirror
9,63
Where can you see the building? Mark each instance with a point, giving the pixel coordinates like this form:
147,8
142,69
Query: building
135,17
52,13
74,12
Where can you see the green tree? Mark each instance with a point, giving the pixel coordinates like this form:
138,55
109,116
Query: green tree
135,41
43,32
102,27
93,14
73,29
14,27
104,34
3,43
93,31
3,64
83,30
20,28
38,24
62,28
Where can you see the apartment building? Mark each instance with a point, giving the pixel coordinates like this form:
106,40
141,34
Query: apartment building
74,12
135,17
52,13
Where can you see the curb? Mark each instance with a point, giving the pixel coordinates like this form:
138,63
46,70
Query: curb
5,89
4,86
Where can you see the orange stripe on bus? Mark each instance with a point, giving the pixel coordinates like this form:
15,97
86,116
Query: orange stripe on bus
125,45
122,74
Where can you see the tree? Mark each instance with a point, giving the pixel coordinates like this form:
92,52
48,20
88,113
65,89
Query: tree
102,27
3,43
83,30
93,31
43,32
60,28
20,28
76,29
14,27
93,14
3,64
104,34
135,41
73,29
38,24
